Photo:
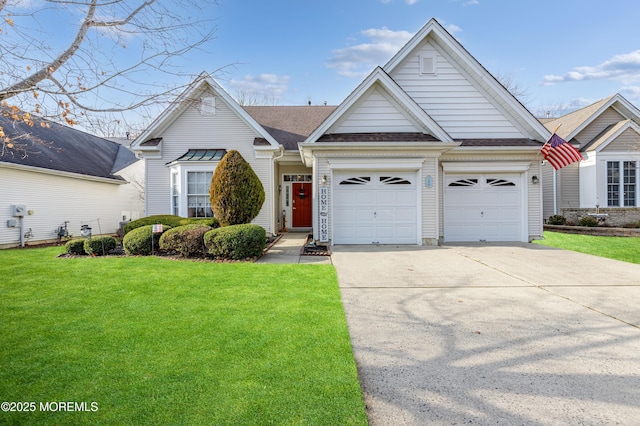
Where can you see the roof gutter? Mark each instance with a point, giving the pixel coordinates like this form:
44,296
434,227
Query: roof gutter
116,180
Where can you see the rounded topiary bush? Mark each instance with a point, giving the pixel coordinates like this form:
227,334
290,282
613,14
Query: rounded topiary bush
588,221
186,240
138,241
236,241
164,219
557,219
168,220
75,246
99,246
212,222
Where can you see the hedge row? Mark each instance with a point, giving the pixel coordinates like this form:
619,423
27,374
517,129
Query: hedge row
195,240
96,246
170,221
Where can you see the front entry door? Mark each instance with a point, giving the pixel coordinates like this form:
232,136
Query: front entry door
301,205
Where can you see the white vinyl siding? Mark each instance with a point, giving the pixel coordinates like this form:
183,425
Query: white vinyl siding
375,113
56,199
607,118
628,141
192,130
568,179
452,100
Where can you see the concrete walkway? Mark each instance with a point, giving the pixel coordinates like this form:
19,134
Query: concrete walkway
288,249
489,334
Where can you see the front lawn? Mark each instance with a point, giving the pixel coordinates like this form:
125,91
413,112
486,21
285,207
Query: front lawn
157,341
626,249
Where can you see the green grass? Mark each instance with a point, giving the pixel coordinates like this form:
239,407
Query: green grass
157,341
626,249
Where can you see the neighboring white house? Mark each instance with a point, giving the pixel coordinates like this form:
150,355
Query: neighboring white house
429,148
59,174
607,133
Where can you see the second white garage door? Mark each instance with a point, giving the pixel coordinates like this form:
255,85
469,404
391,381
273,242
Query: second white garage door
483,207
375,207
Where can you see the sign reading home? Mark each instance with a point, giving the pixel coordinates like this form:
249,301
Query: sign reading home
324,214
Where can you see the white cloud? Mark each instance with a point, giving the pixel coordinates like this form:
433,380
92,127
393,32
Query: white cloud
359,60
410,2
453,29
624,68
471,3
268,86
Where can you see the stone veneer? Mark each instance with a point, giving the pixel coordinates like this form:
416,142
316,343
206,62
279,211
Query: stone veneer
618,216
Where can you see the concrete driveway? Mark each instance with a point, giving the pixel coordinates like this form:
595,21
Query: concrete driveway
493,334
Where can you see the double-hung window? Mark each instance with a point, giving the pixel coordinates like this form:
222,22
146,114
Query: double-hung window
198,202
622,188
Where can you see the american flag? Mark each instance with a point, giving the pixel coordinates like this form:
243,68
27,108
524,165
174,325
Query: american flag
559,152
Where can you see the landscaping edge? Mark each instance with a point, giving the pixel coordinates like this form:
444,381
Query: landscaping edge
596,230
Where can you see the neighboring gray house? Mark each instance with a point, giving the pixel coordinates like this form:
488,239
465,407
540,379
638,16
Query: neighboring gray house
429,148
607,133
60,174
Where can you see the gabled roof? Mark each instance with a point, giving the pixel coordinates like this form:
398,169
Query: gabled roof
573,123
476,72
50,146
610,133
290,124
379,77
203,82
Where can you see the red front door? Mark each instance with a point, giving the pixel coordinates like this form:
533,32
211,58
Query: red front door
301,205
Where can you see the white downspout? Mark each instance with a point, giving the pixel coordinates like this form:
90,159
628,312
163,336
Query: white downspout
555,193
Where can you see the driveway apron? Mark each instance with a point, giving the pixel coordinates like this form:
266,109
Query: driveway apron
492,334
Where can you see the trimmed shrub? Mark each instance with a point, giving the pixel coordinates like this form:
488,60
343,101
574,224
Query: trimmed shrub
588,221
99,246
75,246
187,240
138,241
557,219
171,221
164,219
236,192
211,222
236,241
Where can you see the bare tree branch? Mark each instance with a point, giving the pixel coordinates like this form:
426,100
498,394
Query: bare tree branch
97,72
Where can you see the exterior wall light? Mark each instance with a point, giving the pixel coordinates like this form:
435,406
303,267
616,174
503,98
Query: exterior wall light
324,180
535,180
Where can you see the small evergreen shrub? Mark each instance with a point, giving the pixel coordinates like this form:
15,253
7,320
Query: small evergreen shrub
99,246
187,240
236,192
588,221
171,221
632,225
137,242
211,222
557,219
75,246
164,219
236,241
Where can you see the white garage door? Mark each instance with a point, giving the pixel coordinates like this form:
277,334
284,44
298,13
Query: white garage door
483,207
375,207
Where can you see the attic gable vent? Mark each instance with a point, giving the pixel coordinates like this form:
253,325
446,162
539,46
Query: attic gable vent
208,106
428,64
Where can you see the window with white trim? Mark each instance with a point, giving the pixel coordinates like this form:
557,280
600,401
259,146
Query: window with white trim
175,194
198,202
622,178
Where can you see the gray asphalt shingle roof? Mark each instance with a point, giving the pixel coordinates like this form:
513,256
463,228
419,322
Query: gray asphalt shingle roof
65,149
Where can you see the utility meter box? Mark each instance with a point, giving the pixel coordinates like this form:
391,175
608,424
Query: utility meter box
18,210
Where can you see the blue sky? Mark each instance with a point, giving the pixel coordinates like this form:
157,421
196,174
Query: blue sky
565,54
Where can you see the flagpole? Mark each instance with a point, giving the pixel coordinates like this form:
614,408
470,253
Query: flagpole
554,132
